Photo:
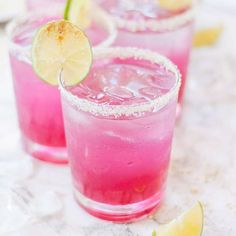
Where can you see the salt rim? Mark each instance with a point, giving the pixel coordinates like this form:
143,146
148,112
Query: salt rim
157,25
99,16
126,110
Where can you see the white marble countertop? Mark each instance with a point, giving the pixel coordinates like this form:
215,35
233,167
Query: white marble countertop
36,198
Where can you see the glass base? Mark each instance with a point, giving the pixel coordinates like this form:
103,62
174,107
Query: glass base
56,155
119,213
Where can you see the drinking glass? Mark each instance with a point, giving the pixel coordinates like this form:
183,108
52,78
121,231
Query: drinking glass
144,24
119,125
38,103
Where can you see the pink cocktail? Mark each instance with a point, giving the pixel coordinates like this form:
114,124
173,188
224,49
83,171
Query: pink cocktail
38,103
145,24
119,125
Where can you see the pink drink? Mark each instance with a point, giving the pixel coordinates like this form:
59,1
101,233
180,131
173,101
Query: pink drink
119,125
38,103
144,24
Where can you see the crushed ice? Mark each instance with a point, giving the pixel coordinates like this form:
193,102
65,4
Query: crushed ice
12,216
46,205
19,209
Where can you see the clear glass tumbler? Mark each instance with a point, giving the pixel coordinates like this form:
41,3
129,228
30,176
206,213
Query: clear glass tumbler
38,103
144,24
119,125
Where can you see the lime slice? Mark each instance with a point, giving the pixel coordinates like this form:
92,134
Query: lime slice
208,36
61,46
78,12
175,5
189,224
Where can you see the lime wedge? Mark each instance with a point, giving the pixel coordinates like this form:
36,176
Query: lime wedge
208,36
188,224
61,46
175,5
78,12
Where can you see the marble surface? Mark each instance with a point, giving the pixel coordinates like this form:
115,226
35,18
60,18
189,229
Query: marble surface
36,198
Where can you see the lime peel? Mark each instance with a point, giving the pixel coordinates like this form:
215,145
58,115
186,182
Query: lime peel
208,36
78,12
188,224
67,8
154,233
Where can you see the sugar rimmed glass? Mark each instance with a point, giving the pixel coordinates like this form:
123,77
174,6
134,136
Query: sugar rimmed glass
38,103
119,125
167,33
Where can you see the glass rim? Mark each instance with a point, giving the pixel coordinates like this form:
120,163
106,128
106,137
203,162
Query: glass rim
107,110
159,25
99,16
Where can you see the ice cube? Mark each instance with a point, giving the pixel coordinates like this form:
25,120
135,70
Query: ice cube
12,216
46,205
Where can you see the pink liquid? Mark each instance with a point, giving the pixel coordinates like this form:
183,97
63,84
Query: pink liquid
121,161
176,44
38,103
